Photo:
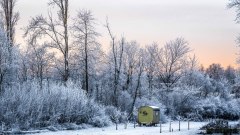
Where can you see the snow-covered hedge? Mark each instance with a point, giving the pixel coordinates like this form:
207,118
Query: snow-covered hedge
216,107
31,107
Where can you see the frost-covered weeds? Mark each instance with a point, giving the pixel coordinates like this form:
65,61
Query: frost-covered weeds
31,107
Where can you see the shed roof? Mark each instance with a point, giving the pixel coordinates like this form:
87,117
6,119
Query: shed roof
153,107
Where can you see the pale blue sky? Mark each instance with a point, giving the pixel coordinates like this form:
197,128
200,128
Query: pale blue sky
207,24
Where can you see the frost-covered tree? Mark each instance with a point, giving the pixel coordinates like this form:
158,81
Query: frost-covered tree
116,59
151,61
236,86
230,74
56,31
4,58
130,60
89,49
8,61
39,62
138,74
236,4
215,71
172,62
10,18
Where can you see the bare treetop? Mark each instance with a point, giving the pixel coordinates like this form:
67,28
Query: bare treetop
10,17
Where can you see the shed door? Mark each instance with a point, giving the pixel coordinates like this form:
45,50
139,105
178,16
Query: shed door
156,116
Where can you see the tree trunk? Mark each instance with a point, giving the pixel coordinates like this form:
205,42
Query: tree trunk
86,60
137,88
65,25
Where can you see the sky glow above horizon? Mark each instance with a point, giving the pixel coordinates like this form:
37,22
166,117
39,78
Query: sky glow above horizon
207,25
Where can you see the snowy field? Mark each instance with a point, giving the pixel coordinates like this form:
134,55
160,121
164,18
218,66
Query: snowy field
194,129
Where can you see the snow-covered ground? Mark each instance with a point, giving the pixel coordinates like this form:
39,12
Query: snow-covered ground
194,129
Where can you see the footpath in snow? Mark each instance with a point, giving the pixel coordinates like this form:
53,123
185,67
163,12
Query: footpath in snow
194,129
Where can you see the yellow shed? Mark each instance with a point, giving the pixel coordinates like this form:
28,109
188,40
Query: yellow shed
148,115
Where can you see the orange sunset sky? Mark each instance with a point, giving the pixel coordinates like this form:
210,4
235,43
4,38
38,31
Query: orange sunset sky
207,25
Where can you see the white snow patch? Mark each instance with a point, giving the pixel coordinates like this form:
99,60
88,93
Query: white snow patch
194,129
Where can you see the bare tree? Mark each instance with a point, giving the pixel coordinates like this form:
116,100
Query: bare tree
172,61
4,58
194,65
139,71
85,38
215,71
230,74
236,4
23,72
117,61
10,18
55,30
130,62
39,61
151,62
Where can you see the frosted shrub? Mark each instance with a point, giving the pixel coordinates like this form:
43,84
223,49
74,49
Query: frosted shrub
125,101
215,107
96,115
113,113
32,107
100,121
179,103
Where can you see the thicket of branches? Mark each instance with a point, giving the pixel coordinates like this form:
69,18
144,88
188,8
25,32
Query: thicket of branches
64,79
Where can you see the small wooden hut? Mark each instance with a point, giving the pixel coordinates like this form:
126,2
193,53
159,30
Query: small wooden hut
148,115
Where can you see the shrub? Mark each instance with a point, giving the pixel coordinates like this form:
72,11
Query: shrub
219,126
31,107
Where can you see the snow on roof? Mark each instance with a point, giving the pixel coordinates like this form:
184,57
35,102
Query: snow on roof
154,107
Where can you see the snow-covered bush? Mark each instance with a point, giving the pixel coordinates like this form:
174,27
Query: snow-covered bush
113,113
125,101
32,107
216,107
96,115
180,102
